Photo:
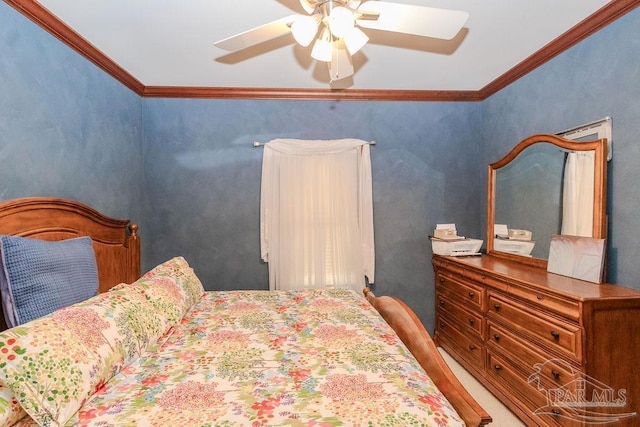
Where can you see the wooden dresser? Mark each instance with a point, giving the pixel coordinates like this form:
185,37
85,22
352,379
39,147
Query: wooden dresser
555,350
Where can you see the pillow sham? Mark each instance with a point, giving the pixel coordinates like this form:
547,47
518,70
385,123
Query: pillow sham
132,325
179,269
162,293
55,363
38,277
10,409
171,287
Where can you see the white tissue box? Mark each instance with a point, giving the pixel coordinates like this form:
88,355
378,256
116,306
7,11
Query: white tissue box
518,247
519,234
456,247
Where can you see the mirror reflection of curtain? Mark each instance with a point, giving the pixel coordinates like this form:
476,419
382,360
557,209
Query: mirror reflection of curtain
316,214
577,212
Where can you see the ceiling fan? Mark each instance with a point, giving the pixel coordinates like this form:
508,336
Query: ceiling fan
335,25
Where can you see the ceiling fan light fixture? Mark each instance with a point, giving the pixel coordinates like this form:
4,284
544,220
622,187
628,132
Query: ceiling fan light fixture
355,40
322,47
341,21
336,26
304,29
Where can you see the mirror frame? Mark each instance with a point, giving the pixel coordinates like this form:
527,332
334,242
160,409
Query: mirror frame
600,188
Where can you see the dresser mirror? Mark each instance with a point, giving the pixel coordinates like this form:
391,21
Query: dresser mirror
544,186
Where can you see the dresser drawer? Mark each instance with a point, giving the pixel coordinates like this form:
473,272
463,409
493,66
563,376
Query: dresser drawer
467,293
562,336
486,280
551,372
467,346
456,313
564,307
541,330
509,378
531,395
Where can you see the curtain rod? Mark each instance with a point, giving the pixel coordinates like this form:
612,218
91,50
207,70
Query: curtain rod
260,144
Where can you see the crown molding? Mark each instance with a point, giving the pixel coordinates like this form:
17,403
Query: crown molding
48,21
308,94
596,21
45,19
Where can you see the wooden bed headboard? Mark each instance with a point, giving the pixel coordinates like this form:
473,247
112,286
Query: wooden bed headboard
116,242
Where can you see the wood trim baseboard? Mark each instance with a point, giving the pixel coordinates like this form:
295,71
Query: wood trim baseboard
45,19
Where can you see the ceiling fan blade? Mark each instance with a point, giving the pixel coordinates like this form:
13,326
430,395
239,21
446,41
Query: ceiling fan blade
307,6
341,65
257,35
418,20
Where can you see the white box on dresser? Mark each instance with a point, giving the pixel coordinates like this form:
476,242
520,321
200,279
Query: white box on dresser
557,351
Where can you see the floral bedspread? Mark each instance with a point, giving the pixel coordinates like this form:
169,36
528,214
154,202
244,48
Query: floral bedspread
257,358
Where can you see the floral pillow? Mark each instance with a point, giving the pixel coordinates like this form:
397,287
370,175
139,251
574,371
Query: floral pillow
55,363
10,409
133,326
172,288
184,275
162,293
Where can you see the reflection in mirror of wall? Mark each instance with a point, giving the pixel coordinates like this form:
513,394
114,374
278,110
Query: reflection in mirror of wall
543,186
528,195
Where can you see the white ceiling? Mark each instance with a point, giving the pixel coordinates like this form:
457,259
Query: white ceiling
171,43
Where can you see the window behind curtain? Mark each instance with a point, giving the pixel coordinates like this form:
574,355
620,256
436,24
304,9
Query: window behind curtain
316,214
578,187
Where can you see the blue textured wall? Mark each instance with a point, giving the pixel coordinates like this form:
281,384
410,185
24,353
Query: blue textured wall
203,176
597,78
66,128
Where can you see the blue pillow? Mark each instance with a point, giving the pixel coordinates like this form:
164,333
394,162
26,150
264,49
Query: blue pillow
38,277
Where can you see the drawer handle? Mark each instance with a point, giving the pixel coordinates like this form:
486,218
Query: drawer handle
472,294
555,412
555,374
483,277
472,347
441,280
497,367
472,321
539,297
555,335
496,306
496,337
441,303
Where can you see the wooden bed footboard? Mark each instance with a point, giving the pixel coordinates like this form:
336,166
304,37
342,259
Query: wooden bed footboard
413,334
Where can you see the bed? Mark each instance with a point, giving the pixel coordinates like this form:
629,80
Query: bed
158,350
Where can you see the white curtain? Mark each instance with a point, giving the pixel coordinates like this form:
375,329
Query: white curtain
577,209
316,214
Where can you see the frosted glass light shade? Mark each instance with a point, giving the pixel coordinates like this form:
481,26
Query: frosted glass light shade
322,48
341,21
355,40
304,29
